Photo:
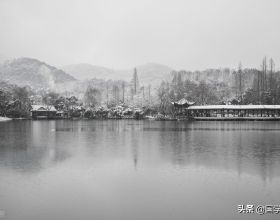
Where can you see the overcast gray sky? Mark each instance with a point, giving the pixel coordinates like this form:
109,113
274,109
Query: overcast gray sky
183,34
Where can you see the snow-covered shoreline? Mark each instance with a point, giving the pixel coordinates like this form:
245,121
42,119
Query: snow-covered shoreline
4,119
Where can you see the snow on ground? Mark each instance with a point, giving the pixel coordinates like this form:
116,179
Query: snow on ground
4,119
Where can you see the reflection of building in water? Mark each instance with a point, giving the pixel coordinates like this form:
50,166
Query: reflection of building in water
30,146
236,147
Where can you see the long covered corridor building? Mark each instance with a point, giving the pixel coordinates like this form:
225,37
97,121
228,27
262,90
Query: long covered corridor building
234,112
185,108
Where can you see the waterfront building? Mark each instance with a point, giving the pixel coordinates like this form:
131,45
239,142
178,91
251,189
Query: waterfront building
227,112
235,111
43,111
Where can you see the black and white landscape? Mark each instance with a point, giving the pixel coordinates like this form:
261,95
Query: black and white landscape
139,110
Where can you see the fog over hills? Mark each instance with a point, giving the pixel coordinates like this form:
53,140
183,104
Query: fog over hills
34,73
85,71
3,58
150,73
74,79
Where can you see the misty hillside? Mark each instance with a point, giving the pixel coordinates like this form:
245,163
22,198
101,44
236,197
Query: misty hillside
223,75
86,71
74,79
149,73
33,73
3,59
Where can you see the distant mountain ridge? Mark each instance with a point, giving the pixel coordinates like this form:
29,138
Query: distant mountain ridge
2,59
73,78
150,73
34,73
85,71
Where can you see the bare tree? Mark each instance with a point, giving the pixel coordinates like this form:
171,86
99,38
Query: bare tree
92,96
259,87
264,72
107,92
123,90
116,94
135,83
240,82
271,65
149,93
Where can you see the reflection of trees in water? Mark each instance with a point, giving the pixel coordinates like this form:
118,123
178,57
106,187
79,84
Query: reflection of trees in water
34,145
246,151
104,139
174,142
134,148
266,154
30,146
258,153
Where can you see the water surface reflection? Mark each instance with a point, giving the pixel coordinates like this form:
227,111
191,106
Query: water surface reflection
137,169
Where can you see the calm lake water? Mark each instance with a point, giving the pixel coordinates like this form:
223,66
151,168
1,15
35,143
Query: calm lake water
130,170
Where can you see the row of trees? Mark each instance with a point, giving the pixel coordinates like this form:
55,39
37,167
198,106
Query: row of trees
201,93
14,102
246,86
241,86
113,93
266,86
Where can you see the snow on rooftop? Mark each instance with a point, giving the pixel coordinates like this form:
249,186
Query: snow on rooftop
234,107
183,101
43,108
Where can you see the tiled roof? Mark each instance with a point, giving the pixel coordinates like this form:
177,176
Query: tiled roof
50,108
183,101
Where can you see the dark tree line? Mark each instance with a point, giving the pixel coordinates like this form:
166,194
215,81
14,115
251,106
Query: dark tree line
241,86
14,101
266,86
202,93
